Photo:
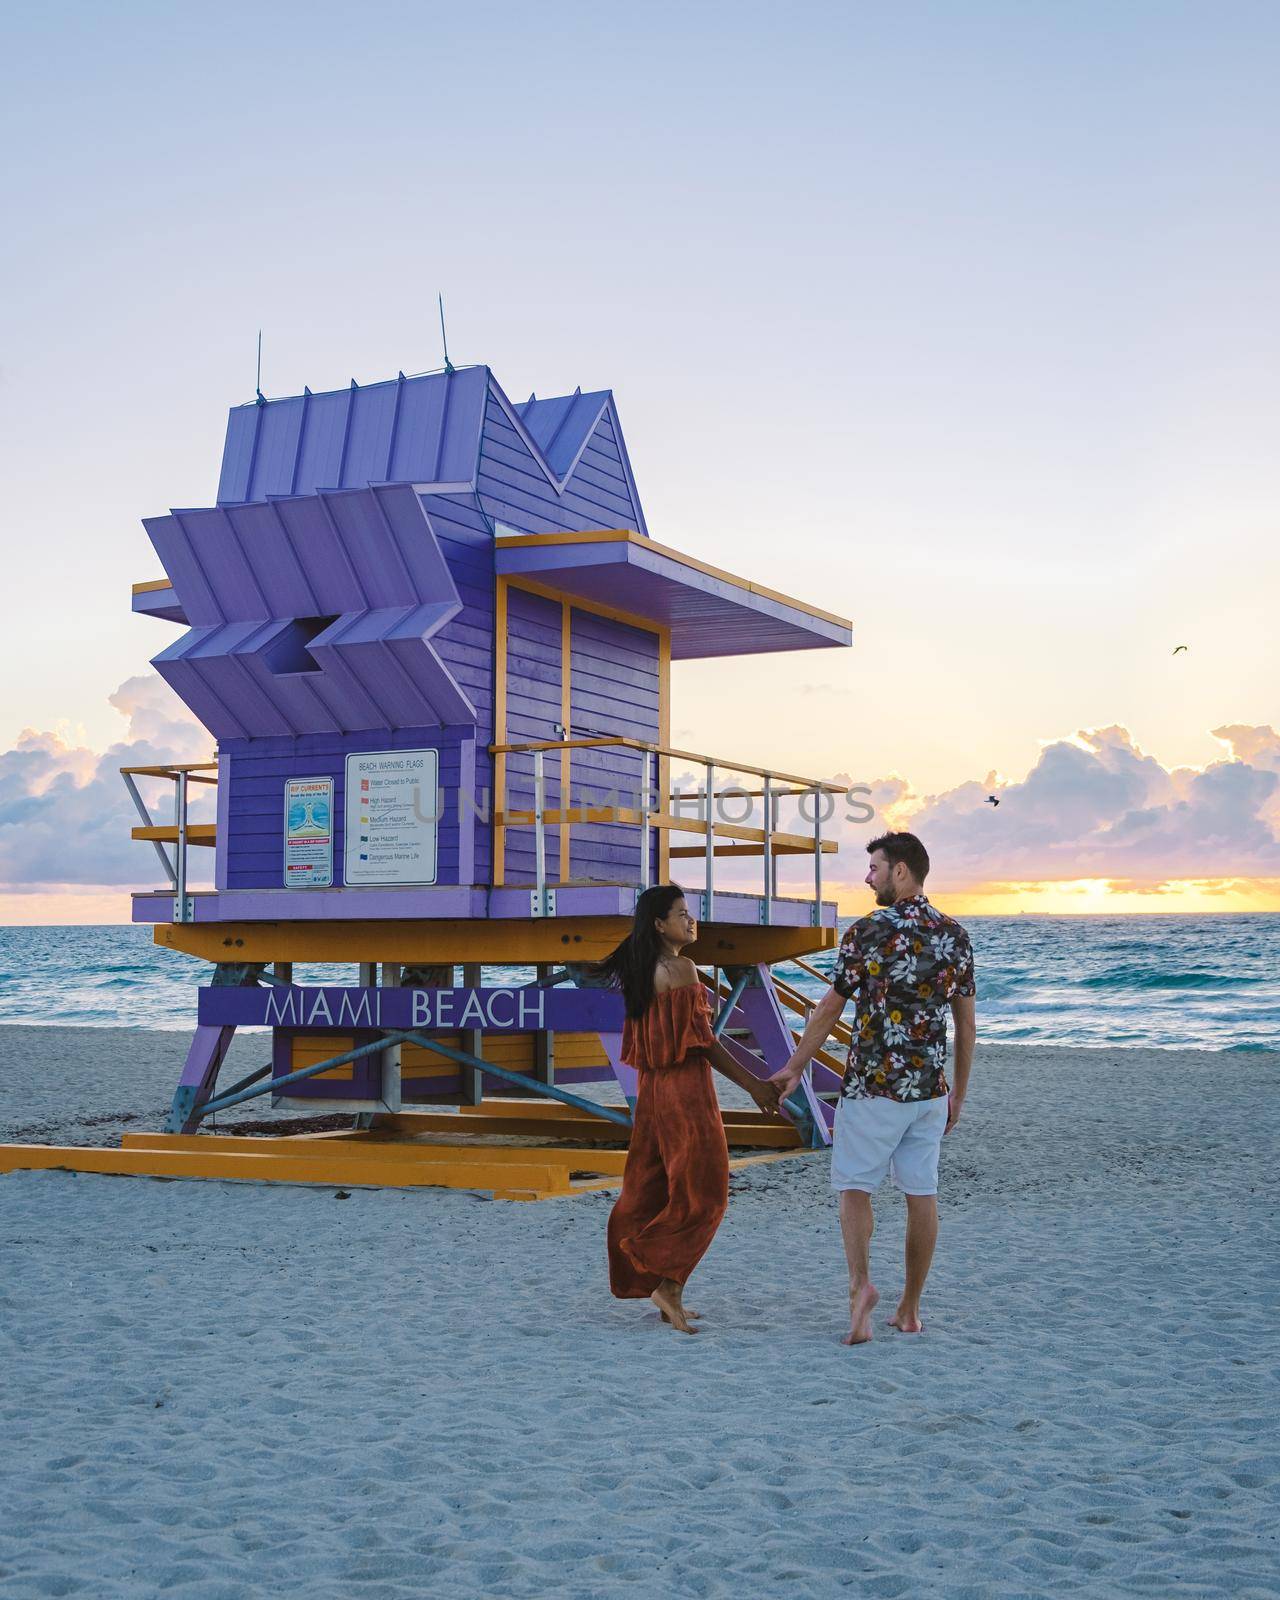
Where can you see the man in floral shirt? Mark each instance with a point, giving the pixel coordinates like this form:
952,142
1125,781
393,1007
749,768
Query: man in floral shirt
903,967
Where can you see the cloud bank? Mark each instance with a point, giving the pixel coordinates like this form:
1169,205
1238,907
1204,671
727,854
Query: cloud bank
65,816
1094,806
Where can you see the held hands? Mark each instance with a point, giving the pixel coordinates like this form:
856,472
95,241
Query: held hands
765,1094
788,1080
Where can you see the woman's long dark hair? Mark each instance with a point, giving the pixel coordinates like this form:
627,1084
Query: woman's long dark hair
631,966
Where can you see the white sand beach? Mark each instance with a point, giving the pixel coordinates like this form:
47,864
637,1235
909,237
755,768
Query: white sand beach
218,1390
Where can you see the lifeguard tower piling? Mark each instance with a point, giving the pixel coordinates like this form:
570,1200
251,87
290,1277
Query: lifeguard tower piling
431,637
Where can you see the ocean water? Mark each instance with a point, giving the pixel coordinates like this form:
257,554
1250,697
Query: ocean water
1211,983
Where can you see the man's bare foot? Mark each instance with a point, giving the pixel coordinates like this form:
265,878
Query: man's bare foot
694,1316
906,1321
862,1302
667,1299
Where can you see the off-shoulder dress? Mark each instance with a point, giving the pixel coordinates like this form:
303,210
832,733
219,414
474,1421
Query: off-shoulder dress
676,1184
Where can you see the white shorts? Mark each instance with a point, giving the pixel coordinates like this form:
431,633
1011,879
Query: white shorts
877,1135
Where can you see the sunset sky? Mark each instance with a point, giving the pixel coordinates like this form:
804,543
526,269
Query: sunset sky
957,319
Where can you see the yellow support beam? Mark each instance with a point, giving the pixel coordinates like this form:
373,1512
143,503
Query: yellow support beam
588,813
283,1164
446,941
349,1144
204,833
376,1158
193,769
507,1173
790,843
492,941
756,850
538,1117
595,1131
783,843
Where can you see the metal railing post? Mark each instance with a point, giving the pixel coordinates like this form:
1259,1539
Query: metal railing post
817,855
709,908
180,862
768,850
644,819
539,834
142,811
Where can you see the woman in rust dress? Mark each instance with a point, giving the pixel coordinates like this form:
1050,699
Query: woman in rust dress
676,1184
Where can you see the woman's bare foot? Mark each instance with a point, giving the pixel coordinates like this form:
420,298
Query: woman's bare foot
906,1320
667,1299
862,1302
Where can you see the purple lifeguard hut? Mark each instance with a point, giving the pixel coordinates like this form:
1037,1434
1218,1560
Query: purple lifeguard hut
432,638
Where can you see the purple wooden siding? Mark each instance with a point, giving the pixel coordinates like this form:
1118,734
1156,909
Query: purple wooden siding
533,709
515,490
466,643
223,822
613,690
254,840
603,474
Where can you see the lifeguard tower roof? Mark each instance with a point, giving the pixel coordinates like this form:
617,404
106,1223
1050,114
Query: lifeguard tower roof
549,480
443,429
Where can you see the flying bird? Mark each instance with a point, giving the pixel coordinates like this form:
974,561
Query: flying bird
1179,647
991,799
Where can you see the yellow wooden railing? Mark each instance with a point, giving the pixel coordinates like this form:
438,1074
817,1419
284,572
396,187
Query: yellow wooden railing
180,833
654,814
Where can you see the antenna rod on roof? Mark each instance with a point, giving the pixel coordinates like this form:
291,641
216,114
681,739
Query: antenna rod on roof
257,382
444,339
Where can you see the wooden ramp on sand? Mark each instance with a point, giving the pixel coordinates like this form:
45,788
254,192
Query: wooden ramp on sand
513,1150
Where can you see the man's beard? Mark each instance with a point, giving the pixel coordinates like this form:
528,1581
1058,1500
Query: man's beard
884,897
